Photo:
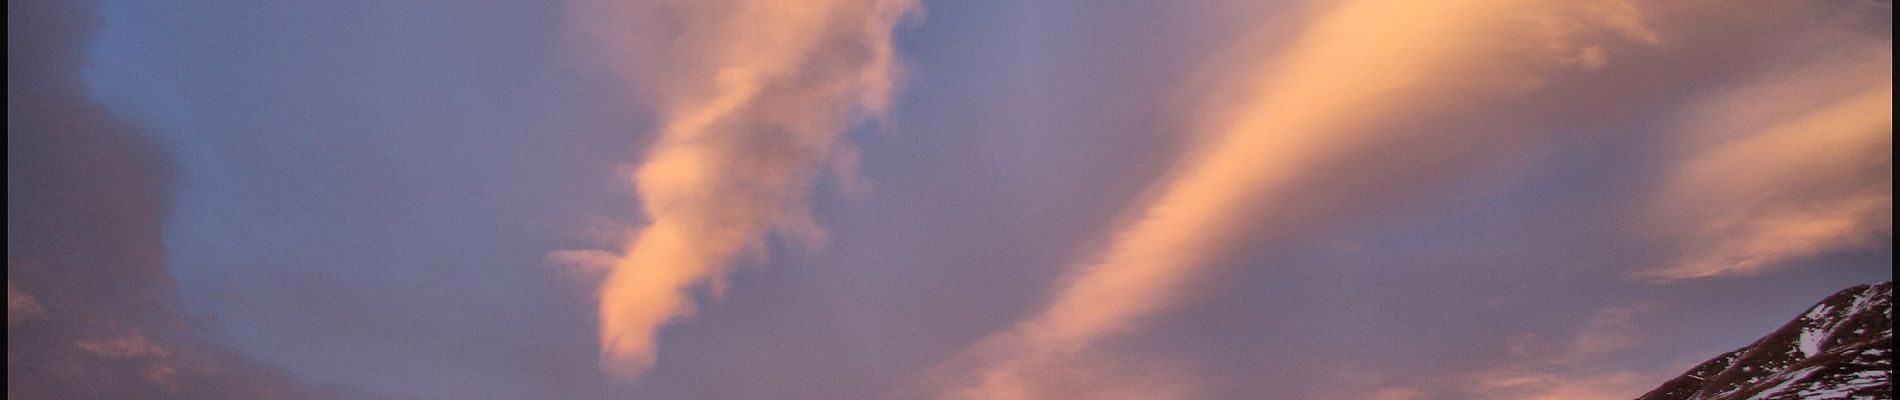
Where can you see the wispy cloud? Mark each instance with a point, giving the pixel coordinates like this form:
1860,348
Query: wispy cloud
752,99
1795,164
1566,366
1319,135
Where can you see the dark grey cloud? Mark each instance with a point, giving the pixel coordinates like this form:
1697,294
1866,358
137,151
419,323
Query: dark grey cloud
91,311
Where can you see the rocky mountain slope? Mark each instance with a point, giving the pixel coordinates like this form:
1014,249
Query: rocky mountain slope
1841,348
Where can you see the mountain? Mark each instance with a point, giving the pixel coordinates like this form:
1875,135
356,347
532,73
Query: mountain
1841,348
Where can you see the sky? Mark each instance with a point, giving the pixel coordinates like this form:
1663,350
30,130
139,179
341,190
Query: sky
903,199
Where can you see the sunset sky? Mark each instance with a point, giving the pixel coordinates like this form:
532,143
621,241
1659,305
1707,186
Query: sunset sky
901,199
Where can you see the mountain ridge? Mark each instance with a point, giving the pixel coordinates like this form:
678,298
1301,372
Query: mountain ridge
1840,348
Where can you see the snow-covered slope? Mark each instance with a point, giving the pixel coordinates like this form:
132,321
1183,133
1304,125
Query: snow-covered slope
1841,348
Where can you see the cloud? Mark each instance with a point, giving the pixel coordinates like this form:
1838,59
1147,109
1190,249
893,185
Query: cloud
1797,163
751,99
1567,366
20,306
1528,383
1331,129
1511,383
91,310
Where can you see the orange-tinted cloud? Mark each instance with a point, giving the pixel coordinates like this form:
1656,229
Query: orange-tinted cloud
1540,367
1271,161
1509,383
1796,164
752,99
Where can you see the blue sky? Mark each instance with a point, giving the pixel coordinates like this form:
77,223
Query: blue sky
366,195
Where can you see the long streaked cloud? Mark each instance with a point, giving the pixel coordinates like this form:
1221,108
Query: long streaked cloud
752,99
1284,155
1796,164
